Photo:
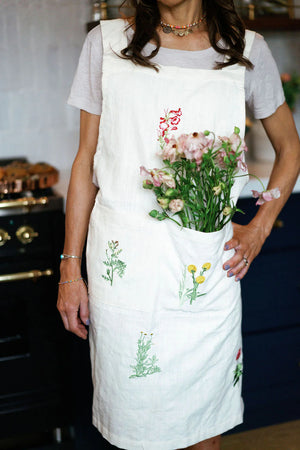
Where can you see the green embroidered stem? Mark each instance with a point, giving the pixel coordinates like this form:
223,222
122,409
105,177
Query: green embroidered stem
113,263
145,365
237,373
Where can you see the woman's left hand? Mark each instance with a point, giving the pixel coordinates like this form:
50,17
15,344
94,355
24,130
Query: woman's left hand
247,241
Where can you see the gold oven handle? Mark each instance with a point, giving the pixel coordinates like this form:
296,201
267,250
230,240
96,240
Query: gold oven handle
21,202
31,274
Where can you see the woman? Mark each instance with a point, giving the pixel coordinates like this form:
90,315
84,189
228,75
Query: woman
163,373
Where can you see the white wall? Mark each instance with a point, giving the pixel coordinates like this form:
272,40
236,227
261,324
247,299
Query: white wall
40,42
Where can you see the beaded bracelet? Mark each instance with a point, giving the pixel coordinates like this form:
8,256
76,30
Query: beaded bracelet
71,281
65,256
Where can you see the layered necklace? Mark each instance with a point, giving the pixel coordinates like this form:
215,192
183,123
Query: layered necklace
178,30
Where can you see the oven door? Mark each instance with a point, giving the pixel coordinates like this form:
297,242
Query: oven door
34,353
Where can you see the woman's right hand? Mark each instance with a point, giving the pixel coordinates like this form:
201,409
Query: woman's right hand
72,303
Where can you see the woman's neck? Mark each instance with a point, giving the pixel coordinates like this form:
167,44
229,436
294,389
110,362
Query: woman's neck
180,12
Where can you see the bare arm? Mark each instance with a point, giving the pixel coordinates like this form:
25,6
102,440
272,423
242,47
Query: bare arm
72,297
249,239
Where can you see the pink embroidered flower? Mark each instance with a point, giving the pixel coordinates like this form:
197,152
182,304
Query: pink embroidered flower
238,354
266,196
176,205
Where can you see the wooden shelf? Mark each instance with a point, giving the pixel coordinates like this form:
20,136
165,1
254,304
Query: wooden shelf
273,23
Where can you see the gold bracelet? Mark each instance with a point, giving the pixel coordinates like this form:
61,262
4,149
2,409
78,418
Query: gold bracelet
71,281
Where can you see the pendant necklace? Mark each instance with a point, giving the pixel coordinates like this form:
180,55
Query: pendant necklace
184,30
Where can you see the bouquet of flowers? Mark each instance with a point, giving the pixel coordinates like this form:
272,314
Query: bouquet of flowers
198,174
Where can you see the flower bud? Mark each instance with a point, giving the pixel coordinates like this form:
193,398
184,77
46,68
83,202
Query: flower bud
236,130
171,193
164,202
217,189
147,184
227,210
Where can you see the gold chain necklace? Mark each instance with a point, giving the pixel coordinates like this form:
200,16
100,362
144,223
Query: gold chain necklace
183,30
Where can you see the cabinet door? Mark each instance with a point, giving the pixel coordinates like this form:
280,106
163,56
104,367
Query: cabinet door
271,379
271,291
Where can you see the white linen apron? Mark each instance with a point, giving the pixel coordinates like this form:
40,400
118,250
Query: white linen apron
163,354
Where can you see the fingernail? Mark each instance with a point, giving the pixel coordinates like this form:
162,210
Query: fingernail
230,274
227,267
87,322
237,279
226,247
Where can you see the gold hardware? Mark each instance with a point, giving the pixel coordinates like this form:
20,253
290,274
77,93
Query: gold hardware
26,234
31,274
4,237
278,224
21,202
251,11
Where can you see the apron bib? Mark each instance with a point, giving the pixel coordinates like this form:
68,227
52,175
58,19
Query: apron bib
165,333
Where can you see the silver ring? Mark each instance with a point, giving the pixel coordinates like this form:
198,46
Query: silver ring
246,261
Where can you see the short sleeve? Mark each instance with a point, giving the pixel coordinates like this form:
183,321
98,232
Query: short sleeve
86,89
264,92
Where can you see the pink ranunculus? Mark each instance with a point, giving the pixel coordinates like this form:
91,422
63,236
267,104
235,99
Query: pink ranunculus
157,177
234,140
182,144
194,146
170,150
168,180
266,196
176,205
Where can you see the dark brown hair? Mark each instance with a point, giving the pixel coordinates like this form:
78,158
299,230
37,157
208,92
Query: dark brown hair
221,19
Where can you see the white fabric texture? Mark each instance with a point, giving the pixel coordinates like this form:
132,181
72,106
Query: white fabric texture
263,88
162,367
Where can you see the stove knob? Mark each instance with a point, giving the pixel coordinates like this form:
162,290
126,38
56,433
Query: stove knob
4,237
26,234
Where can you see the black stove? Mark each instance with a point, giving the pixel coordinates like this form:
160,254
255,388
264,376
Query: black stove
34,346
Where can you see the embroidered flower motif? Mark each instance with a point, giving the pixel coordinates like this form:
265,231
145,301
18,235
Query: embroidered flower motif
113,263
238,369
168,123
200,279
145,365
191,293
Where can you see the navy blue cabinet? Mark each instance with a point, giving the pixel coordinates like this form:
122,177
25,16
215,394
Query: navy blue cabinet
271,322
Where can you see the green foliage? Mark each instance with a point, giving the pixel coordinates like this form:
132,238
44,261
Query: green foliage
291,90
145,365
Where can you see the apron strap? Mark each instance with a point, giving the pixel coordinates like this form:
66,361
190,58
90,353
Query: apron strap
113,35
249,39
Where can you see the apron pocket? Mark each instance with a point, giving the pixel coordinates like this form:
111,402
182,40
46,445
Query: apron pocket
123,260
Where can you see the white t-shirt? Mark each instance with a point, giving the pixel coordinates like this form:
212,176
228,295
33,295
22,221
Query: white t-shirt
263,87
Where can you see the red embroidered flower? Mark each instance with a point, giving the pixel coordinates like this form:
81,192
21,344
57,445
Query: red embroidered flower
238,354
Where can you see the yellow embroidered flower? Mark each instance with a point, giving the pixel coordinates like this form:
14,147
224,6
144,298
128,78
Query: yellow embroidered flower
200,279
192,268
206,266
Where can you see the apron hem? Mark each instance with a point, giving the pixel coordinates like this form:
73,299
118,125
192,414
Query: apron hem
127,444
